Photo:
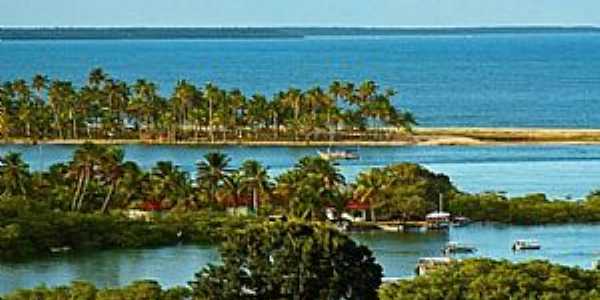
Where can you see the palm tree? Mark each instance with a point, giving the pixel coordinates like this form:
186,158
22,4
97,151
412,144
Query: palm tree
256,179
213,94
97,77
60,96
293,98
14,174
83,168
168,184
212,171
111,169
258,114
371,188
329,175
184,97
233,188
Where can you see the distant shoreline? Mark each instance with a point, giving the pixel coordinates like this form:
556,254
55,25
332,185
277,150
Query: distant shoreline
434,136
163,33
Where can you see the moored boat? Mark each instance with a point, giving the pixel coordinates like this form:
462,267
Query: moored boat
340,154
60,249
460,221
519,245
457,248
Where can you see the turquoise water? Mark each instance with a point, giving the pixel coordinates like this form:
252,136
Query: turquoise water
574,245
559,171
537,80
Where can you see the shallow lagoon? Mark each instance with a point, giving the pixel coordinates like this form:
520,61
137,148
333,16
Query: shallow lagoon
574,245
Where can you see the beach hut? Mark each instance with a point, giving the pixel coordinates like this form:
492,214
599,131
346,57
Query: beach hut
358,210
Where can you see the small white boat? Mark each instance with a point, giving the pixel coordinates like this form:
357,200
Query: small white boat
460,221
457,248
519,245
60,249
340,154
428,264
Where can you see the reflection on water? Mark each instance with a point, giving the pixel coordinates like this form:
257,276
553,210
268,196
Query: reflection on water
574,245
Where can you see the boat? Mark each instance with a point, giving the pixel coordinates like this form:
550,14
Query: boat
60,249
460,221
438,220
428,264
340,154
457,248
596,265
519,245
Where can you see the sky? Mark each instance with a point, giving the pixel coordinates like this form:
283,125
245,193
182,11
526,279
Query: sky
236,13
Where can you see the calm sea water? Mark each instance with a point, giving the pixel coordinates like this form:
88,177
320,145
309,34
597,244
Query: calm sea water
574,245
559,171
531,80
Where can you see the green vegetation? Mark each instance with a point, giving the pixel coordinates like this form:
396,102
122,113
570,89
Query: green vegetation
99,200
526,210
106,108
268,261
139,290
488,279
290,261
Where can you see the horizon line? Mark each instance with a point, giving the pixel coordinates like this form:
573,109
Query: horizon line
434,27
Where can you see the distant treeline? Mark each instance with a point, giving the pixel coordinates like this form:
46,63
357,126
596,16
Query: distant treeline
74,33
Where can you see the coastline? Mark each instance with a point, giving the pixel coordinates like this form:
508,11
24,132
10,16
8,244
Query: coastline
423,136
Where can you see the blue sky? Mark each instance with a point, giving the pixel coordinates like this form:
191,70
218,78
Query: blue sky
298,12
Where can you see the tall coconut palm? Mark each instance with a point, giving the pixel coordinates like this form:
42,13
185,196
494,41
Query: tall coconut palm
256,179
111,171
293,98
213,95
83,168
184,97
97,77
168,184
14,175
211,172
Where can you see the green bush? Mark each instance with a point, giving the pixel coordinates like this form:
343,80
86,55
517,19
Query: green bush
139,290
487,279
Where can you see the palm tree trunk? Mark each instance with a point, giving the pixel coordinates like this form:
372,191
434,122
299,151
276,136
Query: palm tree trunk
373,219
107,199
255,200
210,122
82,195
77,191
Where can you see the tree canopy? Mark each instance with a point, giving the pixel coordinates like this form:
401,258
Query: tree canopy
487,279
290,261
108,108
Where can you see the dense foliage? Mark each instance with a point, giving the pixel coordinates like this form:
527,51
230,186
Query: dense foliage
28,228
527,210
139,290
106,108
290,261
487,279
84,203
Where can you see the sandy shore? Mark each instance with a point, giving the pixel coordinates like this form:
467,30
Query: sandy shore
463,136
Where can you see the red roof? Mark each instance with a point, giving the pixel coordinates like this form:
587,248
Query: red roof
151,206
355,205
